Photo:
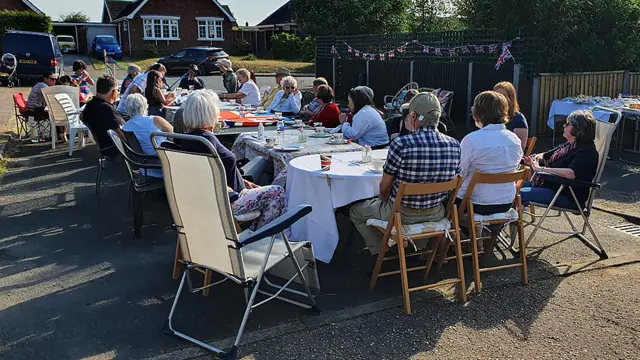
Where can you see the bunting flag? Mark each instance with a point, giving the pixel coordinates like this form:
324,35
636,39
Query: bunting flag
463,50
504,57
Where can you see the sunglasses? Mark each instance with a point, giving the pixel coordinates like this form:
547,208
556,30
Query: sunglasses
289,87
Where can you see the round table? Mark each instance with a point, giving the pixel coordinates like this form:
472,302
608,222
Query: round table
346,182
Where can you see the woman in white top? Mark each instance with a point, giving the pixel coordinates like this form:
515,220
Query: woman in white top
249,94
289,99
493,149
142,125
367,126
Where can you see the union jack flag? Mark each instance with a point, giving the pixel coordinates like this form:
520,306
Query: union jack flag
391,54
479,49
349,49
401,50
382,57
504,57
425,50
438,52
357,53
452,52
333,50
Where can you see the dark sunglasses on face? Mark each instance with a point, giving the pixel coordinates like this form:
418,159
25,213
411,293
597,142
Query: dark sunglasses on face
289,87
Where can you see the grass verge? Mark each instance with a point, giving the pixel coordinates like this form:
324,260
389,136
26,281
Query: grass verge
258,66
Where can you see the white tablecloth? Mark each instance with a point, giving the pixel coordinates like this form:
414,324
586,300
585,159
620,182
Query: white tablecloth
346,182
566,107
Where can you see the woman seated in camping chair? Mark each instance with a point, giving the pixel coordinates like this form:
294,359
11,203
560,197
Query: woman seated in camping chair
576,159
200,117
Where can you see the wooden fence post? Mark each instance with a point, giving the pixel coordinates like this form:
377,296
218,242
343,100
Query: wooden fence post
411,71
625,82
367,72
334,71
516,76
469,96
535,100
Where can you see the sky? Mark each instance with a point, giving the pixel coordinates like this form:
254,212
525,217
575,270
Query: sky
252,11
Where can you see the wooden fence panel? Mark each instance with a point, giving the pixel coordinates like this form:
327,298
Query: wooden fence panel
560,86
634,83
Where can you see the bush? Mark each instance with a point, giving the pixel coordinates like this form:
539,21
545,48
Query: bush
250,57
24,20
150,50
308,50
241,47
286,46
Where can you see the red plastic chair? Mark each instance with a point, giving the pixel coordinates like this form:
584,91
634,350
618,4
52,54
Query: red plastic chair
20,106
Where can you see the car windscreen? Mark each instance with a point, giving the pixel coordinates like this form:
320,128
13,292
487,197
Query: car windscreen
65,38
20,44
106,41
217,53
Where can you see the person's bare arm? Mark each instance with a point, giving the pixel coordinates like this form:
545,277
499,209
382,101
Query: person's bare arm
385,186
523,135
162,124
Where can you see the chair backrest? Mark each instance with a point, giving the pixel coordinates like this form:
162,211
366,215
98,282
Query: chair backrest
452,186
56,112
20,102
531,143
604,134
131,157
132,140
482,178
197,193
65,102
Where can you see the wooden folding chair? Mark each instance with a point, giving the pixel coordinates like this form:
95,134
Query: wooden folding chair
531,143
502,219
394,230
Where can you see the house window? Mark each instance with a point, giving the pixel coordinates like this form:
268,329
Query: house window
161,28
210,28
125,26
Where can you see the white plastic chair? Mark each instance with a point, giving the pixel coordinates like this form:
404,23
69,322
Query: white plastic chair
208,239
57,116
264,90
72,114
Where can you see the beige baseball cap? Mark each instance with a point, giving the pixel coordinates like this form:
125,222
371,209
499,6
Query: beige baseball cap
226,64
283,72
426,105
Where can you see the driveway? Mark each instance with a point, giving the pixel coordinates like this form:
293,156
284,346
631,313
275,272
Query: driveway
75,284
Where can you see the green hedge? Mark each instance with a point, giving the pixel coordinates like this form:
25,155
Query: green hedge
287,46
23,20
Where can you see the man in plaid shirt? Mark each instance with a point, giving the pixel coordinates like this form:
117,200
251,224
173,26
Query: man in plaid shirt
425,156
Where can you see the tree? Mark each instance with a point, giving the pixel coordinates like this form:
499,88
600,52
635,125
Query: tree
75,17
579,35
432,15
340,17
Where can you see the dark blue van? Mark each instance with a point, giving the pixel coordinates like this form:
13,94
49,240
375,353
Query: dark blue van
37,53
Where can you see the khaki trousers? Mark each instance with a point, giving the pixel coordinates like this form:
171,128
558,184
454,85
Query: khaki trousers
381,209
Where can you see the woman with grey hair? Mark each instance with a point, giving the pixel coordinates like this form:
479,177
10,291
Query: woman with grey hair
200,118
132,71
576,159
289,99
142,125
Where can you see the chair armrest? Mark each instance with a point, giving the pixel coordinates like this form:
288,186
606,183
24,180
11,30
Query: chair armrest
552,178
387,97
278,225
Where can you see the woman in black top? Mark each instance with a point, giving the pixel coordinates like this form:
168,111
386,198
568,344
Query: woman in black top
576,159
200,116
517,122
154,95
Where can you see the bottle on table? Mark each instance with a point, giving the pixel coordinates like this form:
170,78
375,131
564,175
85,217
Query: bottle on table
280,129
261,132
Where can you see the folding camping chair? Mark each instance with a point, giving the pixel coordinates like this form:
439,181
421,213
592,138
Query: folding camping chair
20,106
394,230
198,199
604,134
392,103
474,221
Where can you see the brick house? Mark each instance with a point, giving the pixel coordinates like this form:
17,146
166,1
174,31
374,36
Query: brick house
22,5
170,25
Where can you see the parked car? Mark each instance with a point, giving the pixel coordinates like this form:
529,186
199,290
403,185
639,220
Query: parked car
106,42
67,43
204,57
37,53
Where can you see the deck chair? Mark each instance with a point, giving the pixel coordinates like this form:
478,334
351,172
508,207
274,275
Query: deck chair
392,103
197,194
531,144
19,107
75,126
393,230
474,221
57,115
604,134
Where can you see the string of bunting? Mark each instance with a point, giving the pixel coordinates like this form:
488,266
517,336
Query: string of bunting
505,53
